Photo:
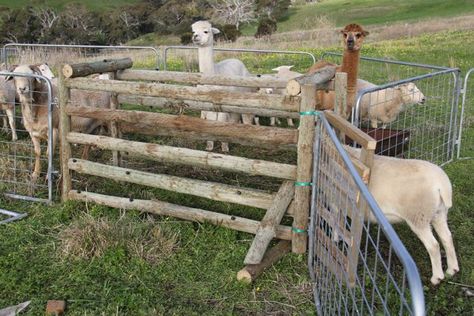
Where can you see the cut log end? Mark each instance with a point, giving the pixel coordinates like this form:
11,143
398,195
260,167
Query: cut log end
67,71
293,88
244,276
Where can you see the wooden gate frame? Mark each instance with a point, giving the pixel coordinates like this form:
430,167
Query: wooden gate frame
144,87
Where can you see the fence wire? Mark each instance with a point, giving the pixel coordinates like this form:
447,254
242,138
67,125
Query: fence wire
465,141
358,267
17,157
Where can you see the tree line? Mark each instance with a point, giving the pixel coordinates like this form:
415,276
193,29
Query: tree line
76,24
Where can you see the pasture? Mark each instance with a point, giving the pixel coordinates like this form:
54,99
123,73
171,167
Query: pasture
106,262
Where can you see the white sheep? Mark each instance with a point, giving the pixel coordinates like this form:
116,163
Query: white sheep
382,106
32,95
203,38
419,193
283,72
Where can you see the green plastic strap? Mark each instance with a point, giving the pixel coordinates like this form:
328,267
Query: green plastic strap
317,113
303,184
298,230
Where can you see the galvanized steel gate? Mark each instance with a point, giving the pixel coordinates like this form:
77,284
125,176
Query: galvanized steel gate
465,140
17,155
358,268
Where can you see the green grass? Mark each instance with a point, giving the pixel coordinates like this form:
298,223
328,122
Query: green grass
198,277
60,4
368,12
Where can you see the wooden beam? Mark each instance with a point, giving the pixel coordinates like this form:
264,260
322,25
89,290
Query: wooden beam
187,156
201,79
85,69
159,102
149,123
252,271
304,167
321,79
180,92
350,130
178,211
210,190
273,217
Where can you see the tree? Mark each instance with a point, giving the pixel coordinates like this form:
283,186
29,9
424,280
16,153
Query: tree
233,12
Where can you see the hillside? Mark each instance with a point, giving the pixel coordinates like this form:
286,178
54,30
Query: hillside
59,4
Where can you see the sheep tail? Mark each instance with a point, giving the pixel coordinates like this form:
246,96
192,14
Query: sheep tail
446,192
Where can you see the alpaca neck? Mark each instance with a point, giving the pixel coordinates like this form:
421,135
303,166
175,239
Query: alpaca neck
206,60
350,65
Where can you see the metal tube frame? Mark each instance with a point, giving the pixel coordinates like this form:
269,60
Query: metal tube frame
6,46
50,138
243,50
13,216
413,276
463,108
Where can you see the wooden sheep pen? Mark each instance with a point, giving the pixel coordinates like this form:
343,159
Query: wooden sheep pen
145,87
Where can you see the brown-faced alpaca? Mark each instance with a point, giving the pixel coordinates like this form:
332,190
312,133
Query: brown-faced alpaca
353,36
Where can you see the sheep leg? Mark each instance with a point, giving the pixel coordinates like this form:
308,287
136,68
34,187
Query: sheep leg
289,121
37,150
425,234
5,124
11,120
440,224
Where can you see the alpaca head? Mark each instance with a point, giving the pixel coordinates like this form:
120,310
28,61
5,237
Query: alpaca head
203,33
411,94
353,36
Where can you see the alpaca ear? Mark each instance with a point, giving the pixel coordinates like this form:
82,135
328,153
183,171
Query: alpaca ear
214,30
365,33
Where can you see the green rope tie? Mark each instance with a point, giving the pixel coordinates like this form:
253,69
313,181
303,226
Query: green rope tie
317,113
298,230
303,184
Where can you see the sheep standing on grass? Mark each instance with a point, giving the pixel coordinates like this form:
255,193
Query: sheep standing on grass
419,193
382,106
7,104
33,97
203,38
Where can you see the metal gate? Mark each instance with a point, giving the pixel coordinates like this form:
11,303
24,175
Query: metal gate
16,152
144,57
465,140
358,267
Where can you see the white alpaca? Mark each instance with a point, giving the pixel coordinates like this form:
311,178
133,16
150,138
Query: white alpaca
419,193
203,38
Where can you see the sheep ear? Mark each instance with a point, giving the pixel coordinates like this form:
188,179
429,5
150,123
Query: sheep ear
215,31
36,71
8,78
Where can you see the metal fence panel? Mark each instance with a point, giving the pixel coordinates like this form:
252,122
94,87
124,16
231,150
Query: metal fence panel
143,57
358,267
184,58
465,140
17,156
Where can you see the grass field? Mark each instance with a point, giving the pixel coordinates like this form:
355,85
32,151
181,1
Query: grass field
106,262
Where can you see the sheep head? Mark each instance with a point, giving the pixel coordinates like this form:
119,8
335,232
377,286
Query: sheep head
353,36
203,33
25,86
411,94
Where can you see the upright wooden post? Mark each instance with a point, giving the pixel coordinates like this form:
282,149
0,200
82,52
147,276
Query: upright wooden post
114,129
303,171
64,129
340,106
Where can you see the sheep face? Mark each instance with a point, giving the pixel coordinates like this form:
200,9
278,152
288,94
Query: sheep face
25,86
411,94
353,36
203,33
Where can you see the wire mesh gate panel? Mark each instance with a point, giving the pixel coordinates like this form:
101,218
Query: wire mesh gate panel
358,267
410,109
465,141
143,57
17,158
184,58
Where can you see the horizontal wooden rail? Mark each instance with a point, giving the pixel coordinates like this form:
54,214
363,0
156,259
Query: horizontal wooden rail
149,123
206,94
210,190
350,130
159,102
201,79
187,156
85,69
183,212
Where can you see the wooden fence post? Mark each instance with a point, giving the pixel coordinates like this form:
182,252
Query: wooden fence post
64,129
303,171
114,129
